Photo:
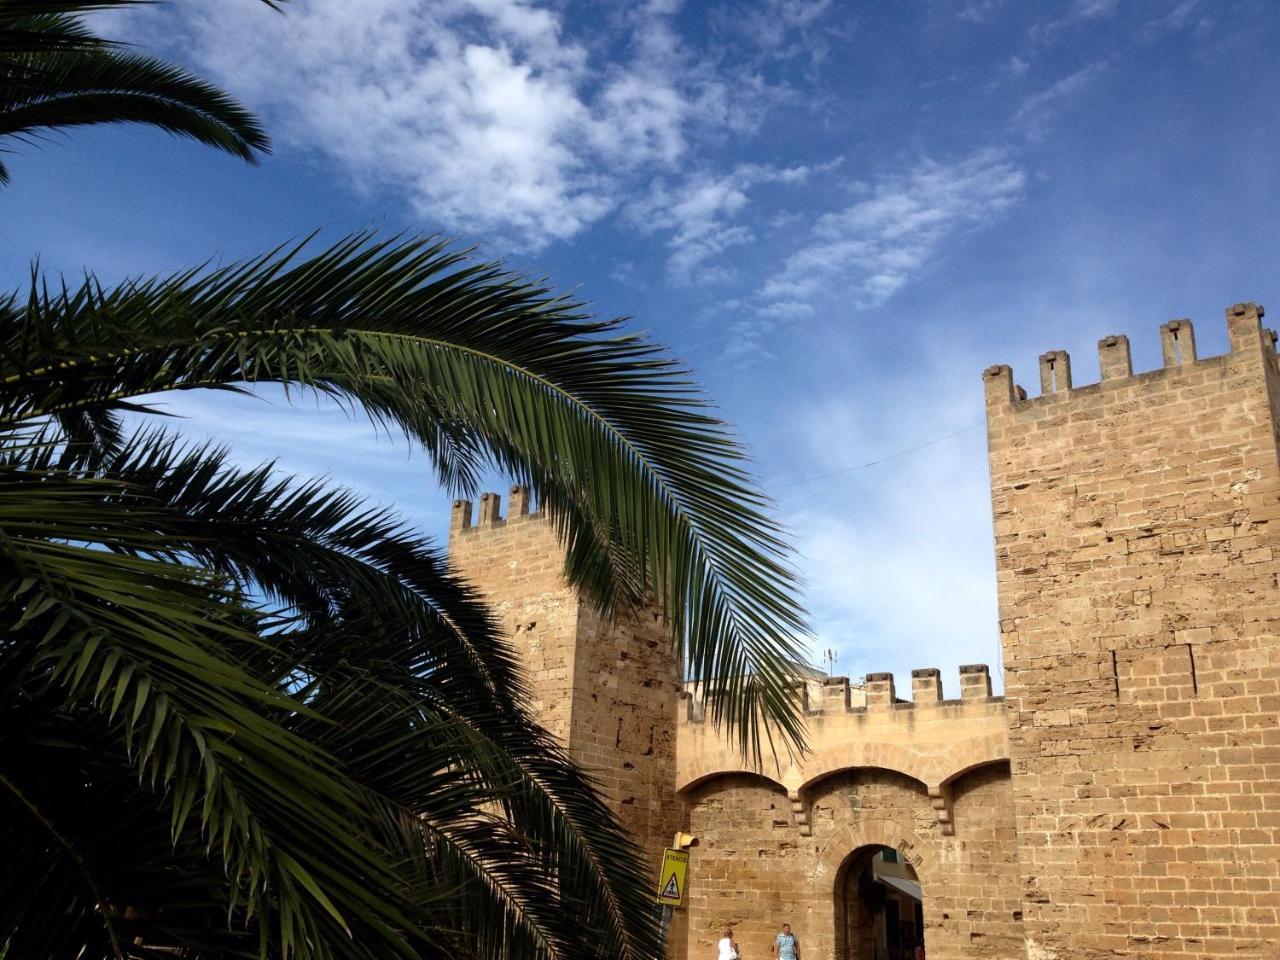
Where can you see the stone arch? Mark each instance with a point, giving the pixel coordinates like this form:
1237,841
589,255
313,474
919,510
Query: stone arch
872,832
953,780
817,777
975,754
855,917
832,858
875,753
712,771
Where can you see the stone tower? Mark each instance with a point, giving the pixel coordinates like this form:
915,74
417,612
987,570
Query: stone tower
607,690
1137,527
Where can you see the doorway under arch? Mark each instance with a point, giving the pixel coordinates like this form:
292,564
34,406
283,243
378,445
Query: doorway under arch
879,915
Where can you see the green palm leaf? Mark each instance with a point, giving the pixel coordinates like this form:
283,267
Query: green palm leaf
55,74
243,716
385,700
648,488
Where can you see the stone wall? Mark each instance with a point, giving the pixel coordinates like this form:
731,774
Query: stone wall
926,777
1137,554
1122,800
607,689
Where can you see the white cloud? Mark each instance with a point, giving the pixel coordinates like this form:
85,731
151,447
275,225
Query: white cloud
783,28
1040,109
1183,15
868,250
486,114
1184,12
858,257
699,215
1079,11
1017,66
1093,9
978,11
898,561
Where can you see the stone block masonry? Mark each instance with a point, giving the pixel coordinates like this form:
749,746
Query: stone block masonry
1121,800
1137,525
927,778
608,690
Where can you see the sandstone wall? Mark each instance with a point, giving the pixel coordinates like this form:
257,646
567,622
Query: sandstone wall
926,777
626,694
1137,557
608,690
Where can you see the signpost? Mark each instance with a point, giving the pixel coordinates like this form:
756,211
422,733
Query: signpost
672,878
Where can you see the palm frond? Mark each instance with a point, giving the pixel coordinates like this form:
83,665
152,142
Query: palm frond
55,73
386,700
649,489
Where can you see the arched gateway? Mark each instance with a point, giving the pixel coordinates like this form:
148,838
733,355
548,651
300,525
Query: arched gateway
927,778
1137,527
879,909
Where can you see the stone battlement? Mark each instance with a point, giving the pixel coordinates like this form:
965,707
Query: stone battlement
575,660
1178,347
863,725
877,691
490,511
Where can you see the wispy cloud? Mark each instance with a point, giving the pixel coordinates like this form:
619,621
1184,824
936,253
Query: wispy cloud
785,28
1039,110
487,115
1077,12
1093,9
978,11
1017,66
702,215
1183,15
868,250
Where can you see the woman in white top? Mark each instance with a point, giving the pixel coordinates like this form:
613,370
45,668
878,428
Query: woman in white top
728,949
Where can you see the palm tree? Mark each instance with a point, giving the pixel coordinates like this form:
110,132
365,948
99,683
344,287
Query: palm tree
56,73
248,715
295,678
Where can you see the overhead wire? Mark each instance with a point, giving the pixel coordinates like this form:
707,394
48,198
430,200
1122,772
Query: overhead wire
891,456
999,659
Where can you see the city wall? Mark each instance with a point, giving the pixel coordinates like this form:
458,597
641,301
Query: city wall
927,777
1122,799
1137,557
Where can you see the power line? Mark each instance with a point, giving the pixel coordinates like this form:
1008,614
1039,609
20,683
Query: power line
891,456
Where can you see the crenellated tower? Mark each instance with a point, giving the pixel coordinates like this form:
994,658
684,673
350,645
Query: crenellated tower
608,690
1137,525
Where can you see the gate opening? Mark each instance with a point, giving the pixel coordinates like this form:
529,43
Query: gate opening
879,913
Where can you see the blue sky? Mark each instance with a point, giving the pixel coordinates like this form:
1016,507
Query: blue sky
838,213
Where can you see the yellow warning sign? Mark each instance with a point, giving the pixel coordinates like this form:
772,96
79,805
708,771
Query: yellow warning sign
672,878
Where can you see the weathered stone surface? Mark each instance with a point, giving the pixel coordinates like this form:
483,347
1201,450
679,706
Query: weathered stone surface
608,691
1136,543
1123,799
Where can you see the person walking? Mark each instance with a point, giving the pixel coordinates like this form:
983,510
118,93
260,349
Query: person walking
785,944
728,949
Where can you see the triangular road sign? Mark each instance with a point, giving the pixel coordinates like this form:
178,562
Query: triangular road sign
672,890
672,880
